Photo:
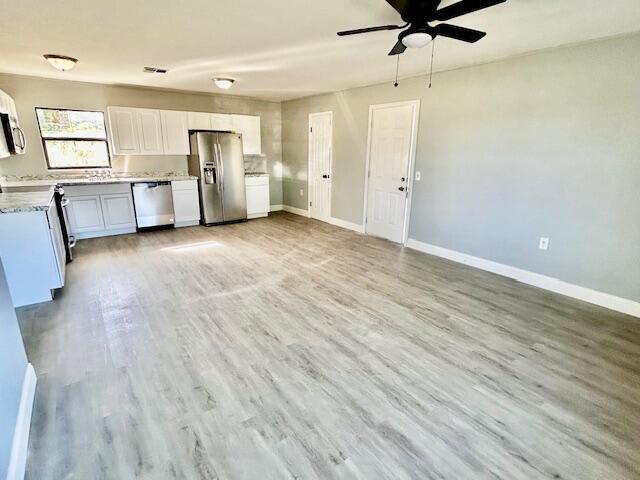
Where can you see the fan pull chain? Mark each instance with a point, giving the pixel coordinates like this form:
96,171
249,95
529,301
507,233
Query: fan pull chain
397,68
433,47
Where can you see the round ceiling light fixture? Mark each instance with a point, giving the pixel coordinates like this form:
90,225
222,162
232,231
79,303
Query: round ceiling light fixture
224,83
416,39
61,62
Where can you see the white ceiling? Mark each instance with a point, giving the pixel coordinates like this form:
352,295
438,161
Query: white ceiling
276,49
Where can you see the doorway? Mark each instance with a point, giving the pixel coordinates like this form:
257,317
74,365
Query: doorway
391,153
320,158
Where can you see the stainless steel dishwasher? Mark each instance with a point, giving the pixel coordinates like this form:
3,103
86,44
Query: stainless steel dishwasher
154,204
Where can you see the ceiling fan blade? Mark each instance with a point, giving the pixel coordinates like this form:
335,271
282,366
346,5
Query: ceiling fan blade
369,29
464,7
414,10
400,6
458,33
398,48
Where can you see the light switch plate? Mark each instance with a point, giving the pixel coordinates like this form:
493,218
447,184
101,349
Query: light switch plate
301,192
544,243
418,176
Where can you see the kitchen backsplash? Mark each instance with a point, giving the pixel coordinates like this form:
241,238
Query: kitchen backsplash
255,164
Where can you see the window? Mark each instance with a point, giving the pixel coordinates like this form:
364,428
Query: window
73,138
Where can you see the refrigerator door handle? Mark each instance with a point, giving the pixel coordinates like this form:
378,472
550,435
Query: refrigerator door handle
220,160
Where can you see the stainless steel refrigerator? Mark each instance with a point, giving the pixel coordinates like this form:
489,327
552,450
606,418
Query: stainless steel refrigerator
216,159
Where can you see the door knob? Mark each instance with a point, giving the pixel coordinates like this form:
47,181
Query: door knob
403,179
325,176
401,189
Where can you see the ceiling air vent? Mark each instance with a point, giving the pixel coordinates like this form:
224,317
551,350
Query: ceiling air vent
154,70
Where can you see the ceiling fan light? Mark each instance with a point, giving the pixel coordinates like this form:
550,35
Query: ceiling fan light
417,40
61,62
224,83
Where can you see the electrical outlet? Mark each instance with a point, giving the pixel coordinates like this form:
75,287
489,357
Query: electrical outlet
544,243
301,192
418,176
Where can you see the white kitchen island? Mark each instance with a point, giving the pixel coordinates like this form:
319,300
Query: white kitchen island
31,246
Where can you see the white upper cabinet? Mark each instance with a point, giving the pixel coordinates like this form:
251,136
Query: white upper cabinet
150,132
199,120
175,132
135,131
249,127
220,121
124,131
141,131
209,121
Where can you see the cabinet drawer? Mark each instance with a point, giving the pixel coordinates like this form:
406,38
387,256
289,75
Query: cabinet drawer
79,190
256,180
184,185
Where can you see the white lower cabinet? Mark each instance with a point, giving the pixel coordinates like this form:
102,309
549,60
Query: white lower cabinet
100,210
258,202
85,214
33,254
117,211
186,202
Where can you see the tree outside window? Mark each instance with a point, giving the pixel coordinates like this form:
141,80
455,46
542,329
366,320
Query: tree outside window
73,138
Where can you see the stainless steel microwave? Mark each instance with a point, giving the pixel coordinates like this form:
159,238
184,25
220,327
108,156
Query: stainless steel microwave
13,134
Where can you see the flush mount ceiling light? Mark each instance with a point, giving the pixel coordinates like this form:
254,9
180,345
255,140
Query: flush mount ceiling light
416,40
61,62
224,83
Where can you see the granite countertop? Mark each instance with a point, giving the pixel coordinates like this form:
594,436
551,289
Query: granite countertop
14,202
88,179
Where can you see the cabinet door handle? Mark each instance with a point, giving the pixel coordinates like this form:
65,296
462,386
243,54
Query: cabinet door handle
401,189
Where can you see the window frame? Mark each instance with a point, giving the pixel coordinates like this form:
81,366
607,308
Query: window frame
75,139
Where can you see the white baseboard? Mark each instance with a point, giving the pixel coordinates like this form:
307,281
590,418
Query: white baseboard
105,233
252,216
18,459
332,220
276,208
344,224
602,299
189,223
297,211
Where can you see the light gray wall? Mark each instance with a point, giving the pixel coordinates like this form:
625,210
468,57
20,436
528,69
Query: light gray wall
31,92
541,145
13,366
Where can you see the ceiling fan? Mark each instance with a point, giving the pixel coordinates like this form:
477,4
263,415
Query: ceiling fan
419,13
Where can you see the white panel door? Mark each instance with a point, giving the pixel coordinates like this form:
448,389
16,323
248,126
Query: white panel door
249,127
390,147
199,120
175,132
123,127
117,209
85,214
220,121
320,145
150,132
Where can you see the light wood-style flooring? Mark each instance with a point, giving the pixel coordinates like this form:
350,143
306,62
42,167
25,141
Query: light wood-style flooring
286,348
